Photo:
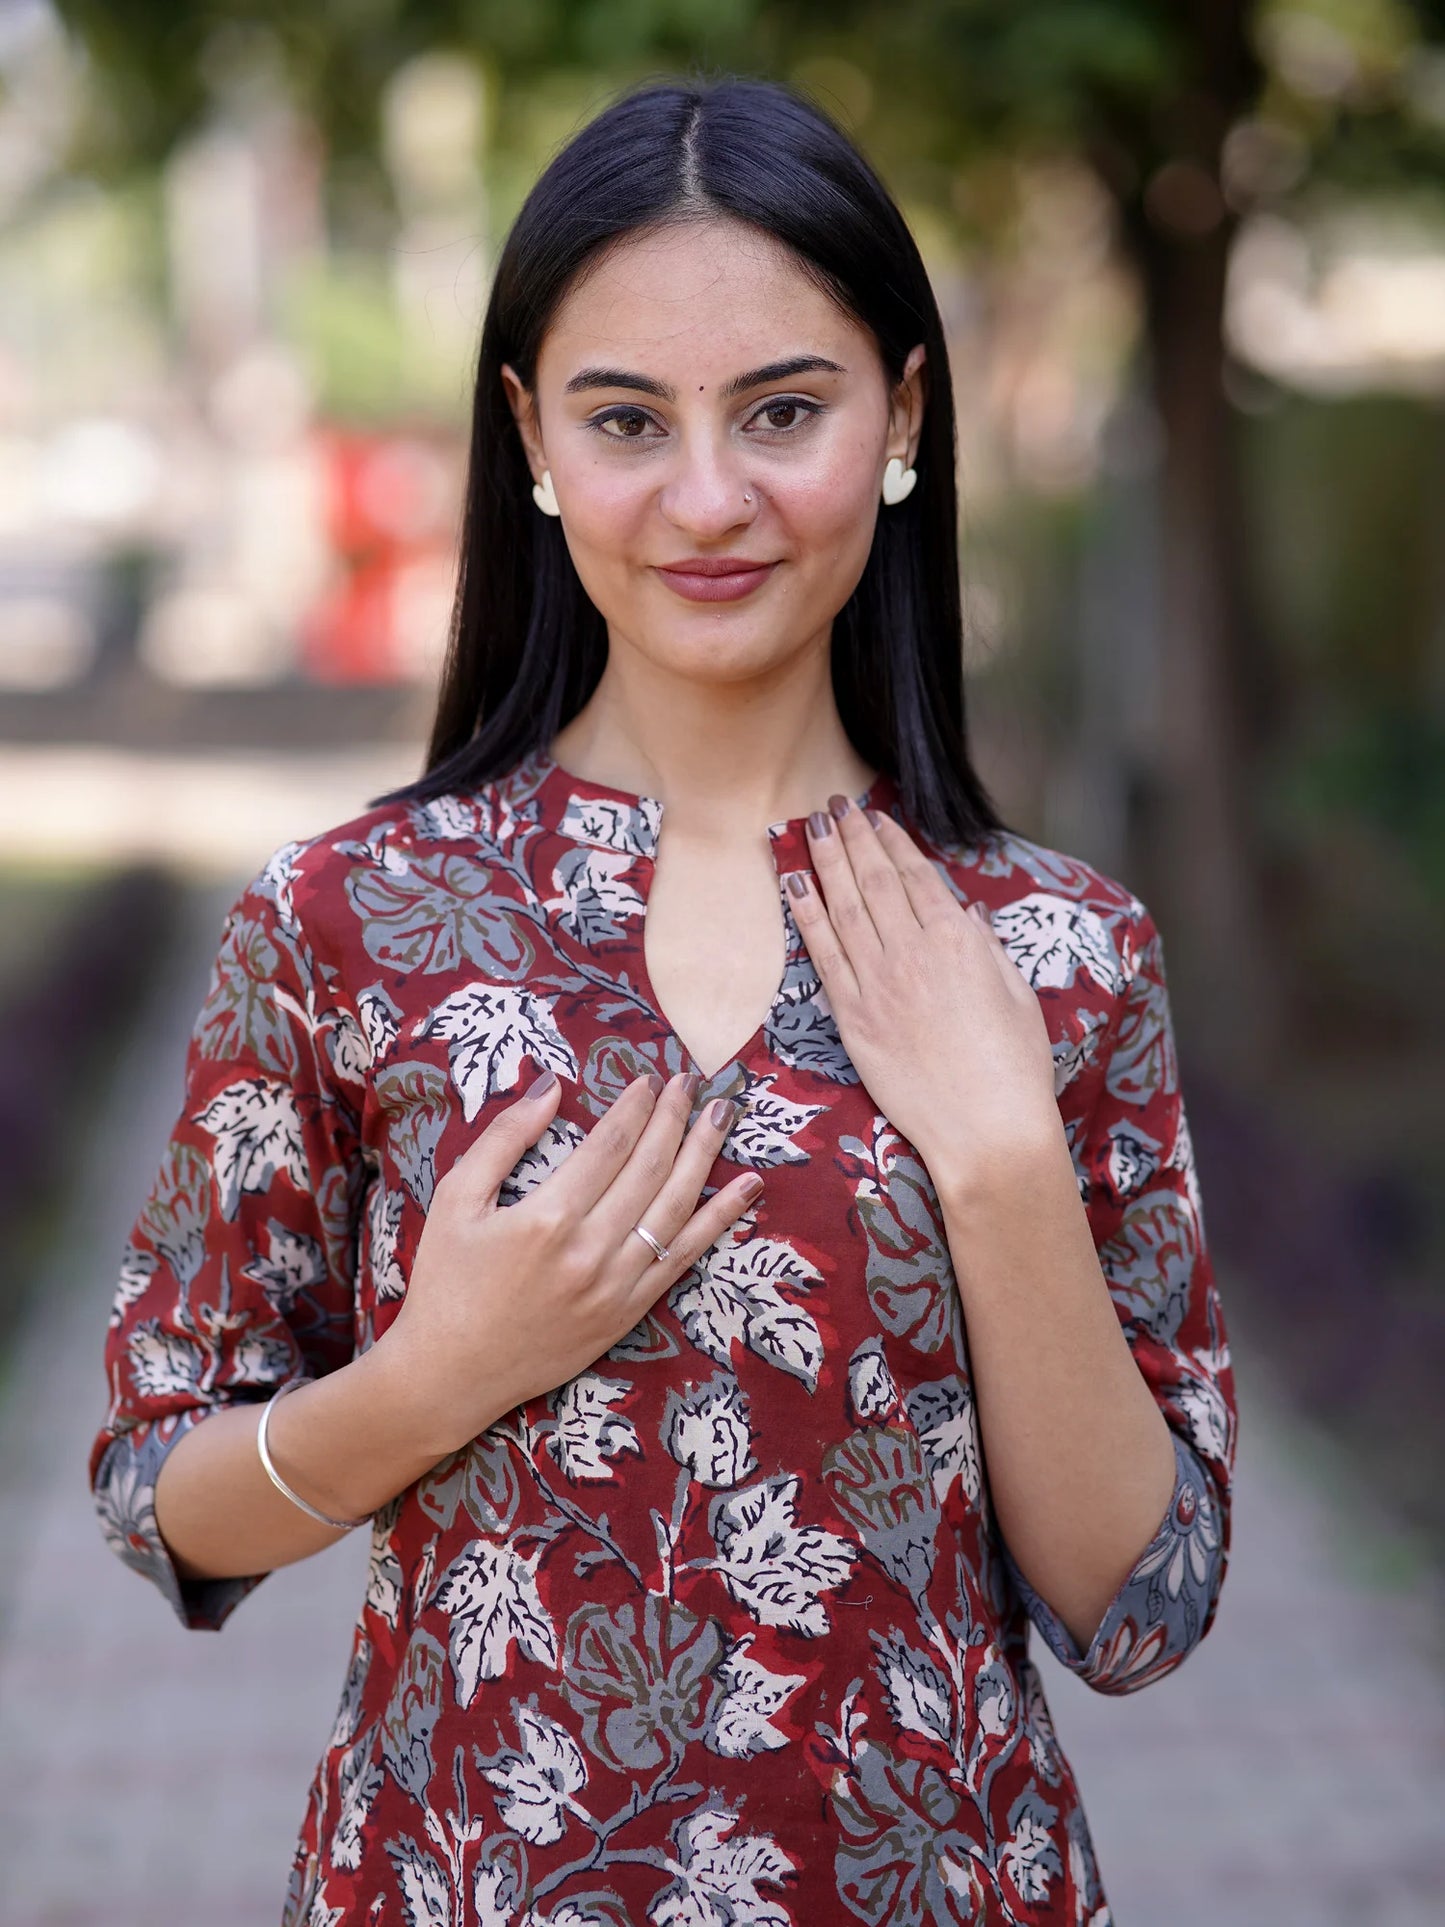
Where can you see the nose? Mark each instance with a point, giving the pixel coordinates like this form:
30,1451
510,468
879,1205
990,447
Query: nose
704,491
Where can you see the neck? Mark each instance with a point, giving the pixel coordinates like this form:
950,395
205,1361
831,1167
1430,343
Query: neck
724,758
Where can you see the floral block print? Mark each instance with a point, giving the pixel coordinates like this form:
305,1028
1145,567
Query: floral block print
722,1630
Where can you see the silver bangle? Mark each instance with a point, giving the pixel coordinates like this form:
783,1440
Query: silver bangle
344,1525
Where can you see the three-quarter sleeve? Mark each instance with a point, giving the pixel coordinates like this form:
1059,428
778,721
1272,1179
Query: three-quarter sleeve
1144,1208
239,1271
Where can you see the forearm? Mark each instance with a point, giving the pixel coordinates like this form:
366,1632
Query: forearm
347,1442
1080,1460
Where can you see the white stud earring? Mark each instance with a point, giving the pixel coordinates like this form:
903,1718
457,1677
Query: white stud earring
543,496
897,480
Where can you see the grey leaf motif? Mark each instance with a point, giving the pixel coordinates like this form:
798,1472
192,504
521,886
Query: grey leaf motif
412,1712
292,1263
489,1028
770,1564
257,1132
595,897
490,1594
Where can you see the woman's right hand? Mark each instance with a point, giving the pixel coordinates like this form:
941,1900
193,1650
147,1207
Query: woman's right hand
506,1302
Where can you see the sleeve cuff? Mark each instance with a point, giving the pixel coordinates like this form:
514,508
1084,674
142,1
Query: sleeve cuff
125,1486
1160,1612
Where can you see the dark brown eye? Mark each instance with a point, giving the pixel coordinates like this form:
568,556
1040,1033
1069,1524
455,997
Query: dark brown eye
776,408
631,421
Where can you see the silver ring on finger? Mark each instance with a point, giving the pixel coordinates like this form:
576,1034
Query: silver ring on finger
643,1232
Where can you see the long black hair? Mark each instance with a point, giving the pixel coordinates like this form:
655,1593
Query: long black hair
527,645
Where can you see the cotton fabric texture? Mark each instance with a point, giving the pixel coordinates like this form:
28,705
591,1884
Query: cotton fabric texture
722,1630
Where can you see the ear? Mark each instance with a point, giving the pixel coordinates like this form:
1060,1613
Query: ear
523,404
906,406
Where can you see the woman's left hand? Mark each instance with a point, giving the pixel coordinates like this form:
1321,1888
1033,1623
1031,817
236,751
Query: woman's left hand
946,1033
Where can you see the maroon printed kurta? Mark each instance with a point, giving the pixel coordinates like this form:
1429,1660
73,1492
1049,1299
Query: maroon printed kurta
723,1629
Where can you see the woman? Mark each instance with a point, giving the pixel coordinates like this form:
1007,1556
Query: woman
728,1388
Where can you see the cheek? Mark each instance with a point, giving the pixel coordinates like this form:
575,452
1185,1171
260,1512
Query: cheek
829,516
607,506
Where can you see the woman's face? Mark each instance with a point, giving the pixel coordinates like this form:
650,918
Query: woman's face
674,410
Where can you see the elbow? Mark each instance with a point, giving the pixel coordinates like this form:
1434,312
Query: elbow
1170,1598
123,1480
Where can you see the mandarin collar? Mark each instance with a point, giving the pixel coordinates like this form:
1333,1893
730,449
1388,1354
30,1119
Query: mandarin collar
605,817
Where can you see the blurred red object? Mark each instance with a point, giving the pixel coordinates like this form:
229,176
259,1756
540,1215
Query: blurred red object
391,507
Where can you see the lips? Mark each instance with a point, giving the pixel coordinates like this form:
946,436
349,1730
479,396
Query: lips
715,578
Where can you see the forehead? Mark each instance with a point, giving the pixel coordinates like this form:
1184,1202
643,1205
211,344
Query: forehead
699,300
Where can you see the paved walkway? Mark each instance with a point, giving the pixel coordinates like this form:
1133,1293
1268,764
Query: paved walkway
1290,1774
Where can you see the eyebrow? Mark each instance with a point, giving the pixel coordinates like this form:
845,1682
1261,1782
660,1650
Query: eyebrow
753,378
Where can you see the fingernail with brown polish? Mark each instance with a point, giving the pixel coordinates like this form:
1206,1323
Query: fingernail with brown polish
691,1085
818,823
654,1082
540,1086
840,805
797,883
751,1185
722,1112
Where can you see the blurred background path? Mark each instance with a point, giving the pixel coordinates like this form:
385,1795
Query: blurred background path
1290,1774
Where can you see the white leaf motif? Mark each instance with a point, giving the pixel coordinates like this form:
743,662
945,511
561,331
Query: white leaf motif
771,1565
872,1392
379,1019
425,1889
163,1363
293,1263
733,1293
720,1875
489,1028
1052,938
490,1594
537,1783
707,1430
764,1132
918,1693
383,1222
739,1725
257,1129
587,1433
539,1160
943,1412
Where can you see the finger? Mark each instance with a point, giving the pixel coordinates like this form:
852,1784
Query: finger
663,1180
815,926
874,870
652,1165
847,908
695,1235
927,891
478,1172
585,1173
